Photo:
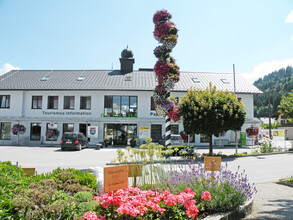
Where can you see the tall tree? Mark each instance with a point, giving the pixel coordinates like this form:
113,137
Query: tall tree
274,86
211,112
286,106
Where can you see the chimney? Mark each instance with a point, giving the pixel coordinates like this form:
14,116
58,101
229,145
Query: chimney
126,61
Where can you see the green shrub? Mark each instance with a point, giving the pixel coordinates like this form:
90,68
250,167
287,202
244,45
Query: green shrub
83,178
84,207
83,196
240,154
12,180
44,200
266,148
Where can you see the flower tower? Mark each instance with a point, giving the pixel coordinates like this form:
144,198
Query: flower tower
167,72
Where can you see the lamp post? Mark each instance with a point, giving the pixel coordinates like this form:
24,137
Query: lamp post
270,123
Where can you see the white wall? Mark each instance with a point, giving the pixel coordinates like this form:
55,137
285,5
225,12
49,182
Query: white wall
21,112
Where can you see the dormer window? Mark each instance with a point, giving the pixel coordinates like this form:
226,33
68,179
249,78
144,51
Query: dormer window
127,78
225,81
80,78
195,80
45,78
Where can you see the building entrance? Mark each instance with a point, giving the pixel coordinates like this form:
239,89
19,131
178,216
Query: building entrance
120,134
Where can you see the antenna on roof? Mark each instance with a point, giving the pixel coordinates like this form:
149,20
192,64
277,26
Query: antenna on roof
112,65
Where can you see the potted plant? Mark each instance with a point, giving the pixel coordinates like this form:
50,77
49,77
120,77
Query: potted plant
252,131
107,141
18,129
52,133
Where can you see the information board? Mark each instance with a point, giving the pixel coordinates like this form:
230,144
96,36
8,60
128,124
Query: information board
144,132
115,177
212,163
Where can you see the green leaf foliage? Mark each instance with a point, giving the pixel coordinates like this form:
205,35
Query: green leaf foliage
286,106
274,86
211,112
83,178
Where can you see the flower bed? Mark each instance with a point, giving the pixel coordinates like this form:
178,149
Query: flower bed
146,204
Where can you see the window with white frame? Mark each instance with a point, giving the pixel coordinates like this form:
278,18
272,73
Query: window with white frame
52,102
35,134
85,102
4,101
5,130
37,102
120,105
68,102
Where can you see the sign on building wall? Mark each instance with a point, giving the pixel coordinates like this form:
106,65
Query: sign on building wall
144,132
277,134
92,131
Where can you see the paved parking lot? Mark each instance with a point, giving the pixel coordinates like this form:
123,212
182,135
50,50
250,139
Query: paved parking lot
47,158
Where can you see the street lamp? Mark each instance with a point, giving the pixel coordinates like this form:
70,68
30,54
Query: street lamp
270,123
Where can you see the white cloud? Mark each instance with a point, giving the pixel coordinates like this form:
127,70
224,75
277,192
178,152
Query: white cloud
289,18
266,68
7,67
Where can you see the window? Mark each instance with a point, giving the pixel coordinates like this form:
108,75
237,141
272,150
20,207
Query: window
68,102
5,130
52,132
37,102
156,132
204,138
45,78
225,81
152,104
35,132
120,105
195,80
68,127
52,102
174,129
80,78
85,102
4,101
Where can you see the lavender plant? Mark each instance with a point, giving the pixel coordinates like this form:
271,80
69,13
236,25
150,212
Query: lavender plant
228,189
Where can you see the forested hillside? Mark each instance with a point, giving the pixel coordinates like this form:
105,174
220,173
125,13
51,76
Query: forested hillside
274,86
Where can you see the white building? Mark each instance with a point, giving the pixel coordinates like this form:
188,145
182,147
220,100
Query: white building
117,101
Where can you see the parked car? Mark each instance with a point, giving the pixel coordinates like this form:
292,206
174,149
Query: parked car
73,140
175,140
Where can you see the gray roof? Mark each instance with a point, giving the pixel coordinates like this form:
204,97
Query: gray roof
113,80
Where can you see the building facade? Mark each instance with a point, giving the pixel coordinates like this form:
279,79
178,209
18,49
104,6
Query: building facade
118,102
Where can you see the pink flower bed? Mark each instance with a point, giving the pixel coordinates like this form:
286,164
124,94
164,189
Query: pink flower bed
137,203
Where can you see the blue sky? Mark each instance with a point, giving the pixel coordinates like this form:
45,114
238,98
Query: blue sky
255,35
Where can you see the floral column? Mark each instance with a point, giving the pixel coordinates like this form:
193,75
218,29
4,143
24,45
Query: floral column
167,72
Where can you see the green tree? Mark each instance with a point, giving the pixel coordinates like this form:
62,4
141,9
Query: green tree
211,112
286,106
